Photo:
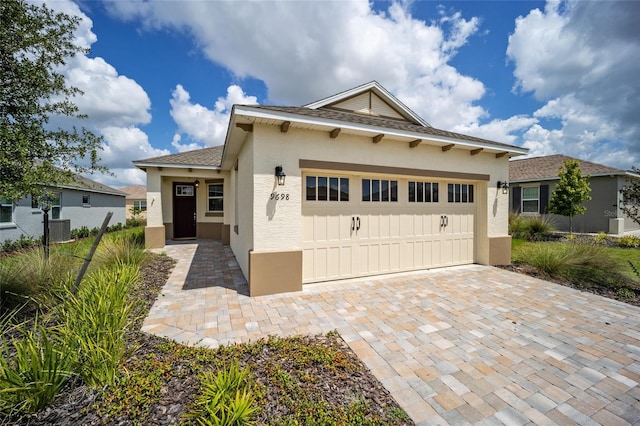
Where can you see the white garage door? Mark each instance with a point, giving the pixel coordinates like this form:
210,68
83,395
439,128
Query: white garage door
365,225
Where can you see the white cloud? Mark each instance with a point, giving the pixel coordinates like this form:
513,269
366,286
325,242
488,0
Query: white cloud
499,130
200,123
175,142
114,103
126,144
578,57
305,51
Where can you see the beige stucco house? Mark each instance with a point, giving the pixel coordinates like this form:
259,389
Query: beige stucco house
368,188
136,198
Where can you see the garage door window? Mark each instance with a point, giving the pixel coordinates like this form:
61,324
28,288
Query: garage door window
423,192
460,193
324,188
379,190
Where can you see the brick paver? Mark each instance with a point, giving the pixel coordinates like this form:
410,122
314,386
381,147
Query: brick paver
471,344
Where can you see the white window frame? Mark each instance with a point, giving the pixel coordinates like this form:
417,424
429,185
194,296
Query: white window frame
536,199
56,203
137,204
88,203
4,203
215,197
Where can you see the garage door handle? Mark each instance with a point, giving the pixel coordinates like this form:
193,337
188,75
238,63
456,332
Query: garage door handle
358,224
446,221
353,223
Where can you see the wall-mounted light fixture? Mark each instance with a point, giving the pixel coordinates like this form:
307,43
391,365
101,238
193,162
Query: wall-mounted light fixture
504,186
197,183
280,176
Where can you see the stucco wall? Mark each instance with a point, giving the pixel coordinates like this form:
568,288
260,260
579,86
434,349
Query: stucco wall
242,231
28,221
278,224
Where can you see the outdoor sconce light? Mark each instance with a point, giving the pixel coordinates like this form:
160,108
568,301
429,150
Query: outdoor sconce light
280,176
504,186
197,183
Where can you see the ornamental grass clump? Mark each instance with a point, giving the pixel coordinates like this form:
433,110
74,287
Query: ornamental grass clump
225,398
95,321
34,367
532,228
122,248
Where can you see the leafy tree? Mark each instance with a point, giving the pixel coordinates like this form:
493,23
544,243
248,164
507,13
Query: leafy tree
571,191
631,198
35,43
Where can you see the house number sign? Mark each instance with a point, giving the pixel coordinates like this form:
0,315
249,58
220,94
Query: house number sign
277,196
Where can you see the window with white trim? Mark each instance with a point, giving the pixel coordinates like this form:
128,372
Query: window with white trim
6,211
56,205
140,205
215,197
327,188
460,193
379,190
86,200
423,192
530,199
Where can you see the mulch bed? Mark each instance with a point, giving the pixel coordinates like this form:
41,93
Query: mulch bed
81,405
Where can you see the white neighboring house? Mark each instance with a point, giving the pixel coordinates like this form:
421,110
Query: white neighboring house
83,202
370,188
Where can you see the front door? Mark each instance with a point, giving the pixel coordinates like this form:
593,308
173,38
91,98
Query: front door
184,210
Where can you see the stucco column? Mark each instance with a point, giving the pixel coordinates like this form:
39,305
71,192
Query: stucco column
154,232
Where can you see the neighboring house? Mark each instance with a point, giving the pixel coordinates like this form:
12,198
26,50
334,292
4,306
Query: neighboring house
136,198
368,187
532,181
76,204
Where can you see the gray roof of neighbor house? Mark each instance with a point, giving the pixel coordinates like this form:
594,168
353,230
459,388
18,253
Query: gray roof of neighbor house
204,157
547,167
369,120
84,184
135,192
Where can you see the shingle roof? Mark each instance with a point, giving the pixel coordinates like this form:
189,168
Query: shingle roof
539,168
349,117
135,192
83,183
199,157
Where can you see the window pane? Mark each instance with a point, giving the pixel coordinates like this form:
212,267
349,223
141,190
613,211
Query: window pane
420,192
394,190
412,192
530,206
215,204
311,188
322,188
344,189
385,190
216,190
375,190
530,193
333,189
434,190
85,199
427,192
457,192
366,190
55,213
450,193
465,196
5,214
471,193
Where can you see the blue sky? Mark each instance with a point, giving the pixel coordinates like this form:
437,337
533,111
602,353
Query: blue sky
555,77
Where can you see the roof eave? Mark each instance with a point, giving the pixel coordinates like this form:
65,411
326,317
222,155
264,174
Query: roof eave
143,166
611,174
331,123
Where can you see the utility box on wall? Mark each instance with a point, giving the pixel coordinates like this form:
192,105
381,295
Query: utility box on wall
60,230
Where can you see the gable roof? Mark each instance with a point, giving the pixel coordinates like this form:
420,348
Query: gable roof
204,158
371,98
135,192
547,167
82,183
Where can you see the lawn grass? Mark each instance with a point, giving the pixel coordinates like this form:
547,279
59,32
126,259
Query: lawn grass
607,266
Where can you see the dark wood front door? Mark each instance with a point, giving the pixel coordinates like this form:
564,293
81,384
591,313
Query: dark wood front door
184,210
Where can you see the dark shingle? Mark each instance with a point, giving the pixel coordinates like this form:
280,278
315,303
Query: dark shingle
537,168
199,157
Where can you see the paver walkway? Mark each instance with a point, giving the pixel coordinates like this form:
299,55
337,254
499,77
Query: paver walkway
463,345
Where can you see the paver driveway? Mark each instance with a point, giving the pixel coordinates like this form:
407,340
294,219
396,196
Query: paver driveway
461,345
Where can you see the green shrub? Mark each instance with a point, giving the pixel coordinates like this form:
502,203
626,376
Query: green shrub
125,248
601,238
225,398
82,232
532,228
580,264
629,241
95,320
38,368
